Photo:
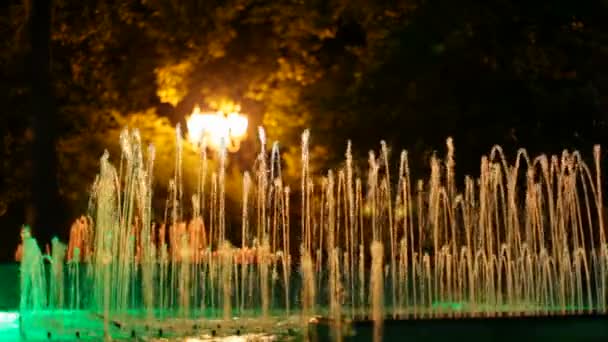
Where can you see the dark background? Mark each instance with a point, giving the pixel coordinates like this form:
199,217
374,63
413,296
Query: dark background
530,74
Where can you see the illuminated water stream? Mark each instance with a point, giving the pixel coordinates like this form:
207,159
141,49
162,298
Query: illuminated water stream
525,238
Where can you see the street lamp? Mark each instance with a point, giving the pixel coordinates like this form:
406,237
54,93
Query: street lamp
210,129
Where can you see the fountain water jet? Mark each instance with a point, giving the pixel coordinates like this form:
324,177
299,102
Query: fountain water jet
526,238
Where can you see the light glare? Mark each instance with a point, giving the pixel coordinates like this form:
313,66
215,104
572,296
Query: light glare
210,129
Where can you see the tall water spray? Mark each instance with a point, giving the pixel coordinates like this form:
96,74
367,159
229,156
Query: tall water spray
526,237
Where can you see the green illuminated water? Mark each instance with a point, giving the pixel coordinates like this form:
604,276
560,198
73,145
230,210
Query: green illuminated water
525,238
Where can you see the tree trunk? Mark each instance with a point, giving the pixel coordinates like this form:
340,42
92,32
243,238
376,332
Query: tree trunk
45,208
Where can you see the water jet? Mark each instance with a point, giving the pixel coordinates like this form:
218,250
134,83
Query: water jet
523,242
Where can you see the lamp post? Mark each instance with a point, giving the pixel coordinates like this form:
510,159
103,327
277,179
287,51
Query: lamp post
211,128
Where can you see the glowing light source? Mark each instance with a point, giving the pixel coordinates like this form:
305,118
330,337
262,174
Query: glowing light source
211,129
9,320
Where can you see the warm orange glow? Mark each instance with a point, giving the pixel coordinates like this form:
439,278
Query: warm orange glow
210,129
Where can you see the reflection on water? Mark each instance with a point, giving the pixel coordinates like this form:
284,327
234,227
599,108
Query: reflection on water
243,338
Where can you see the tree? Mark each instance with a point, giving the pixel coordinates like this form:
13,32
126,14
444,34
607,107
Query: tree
411,72
45,200
511,73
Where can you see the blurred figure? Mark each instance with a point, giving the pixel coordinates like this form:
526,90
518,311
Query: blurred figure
33,284
58,251
80,239
25,233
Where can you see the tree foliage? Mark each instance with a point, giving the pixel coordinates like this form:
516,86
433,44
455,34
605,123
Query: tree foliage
412,72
